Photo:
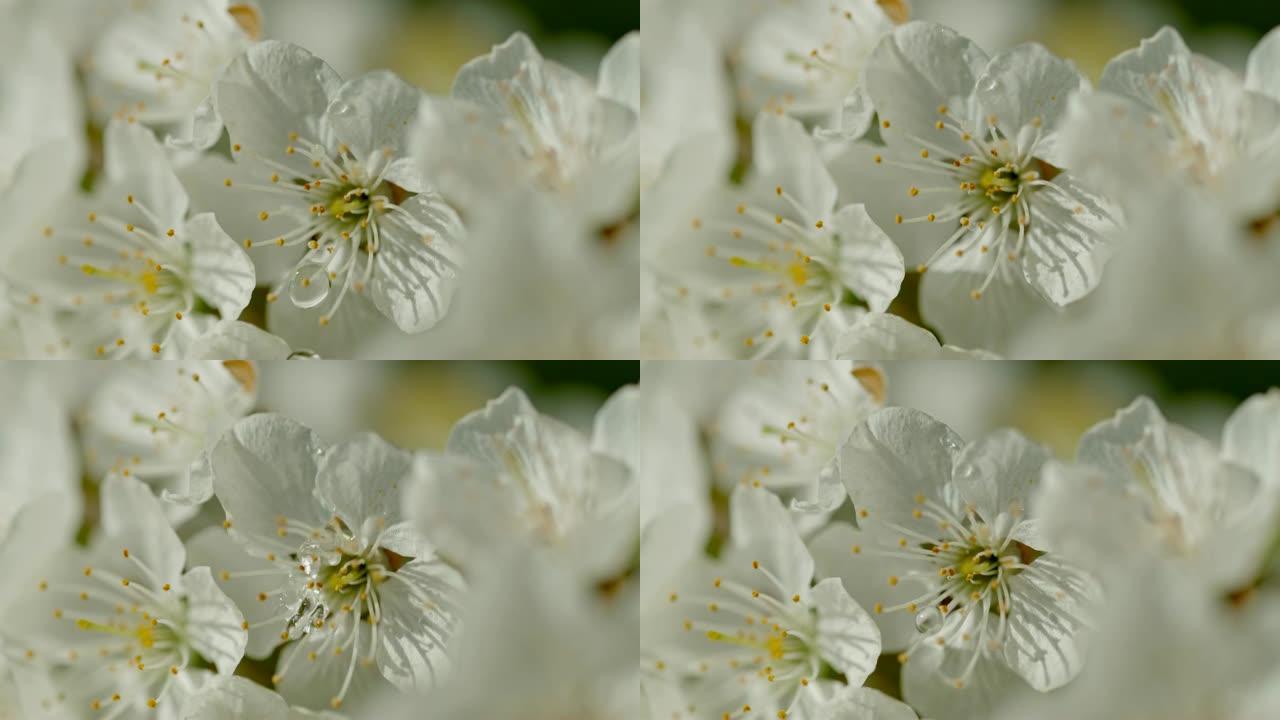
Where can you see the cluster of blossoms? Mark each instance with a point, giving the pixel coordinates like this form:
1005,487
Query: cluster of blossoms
235,198
168,552
830,179
811,552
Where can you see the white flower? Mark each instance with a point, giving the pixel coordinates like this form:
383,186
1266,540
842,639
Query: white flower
782,429
753,630
155,425
39,530
512,475
972,140
952,564
157,64
123,621
516,122
38,92
772,257
1162,111
330,159
128,270
1143,487
806,59
317,553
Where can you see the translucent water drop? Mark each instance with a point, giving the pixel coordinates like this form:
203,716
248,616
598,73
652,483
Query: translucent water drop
968,472
950,442
928,620
304,355
342,109
309,286
988,84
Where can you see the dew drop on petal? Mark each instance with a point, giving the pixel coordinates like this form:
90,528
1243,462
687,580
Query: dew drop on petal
988,84
950,443
303,355
342,108
309,286
928,620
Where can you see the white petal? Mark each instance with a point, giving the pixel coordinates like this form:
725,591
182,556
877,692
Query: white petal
1007,305
930,694
235,698
372,115
418,617
997,473
620,72
1129,72
1251,437
478,80
1068,241
882,336
214,622
136,161
1028,87
272,90
864,573
264,468
1045,651
39,529
785,155
852,121
762,531
314,684
214,548
616,428
348,331
134,520
917,69
362,480
238,340
221,272
870,264
847,637
202,131
897,454
417,264
1263,74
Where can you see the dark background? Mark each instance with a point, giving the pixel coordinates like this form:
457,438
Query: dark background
614,18
1238,380
1258,15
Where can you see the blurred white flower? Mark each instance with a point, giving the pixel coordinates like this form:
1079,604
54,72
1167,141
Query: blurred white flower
776,254
807,59
126,603
946,553
39,530
155,424
888,337
751,631
782,429
157,65
315,550
128,271
511,475
1143,487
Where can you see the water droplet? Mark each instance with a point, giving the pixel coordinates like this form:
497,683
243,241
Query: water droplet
341,108
303,355
988,84
968,472
928,620
309,286
950,442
